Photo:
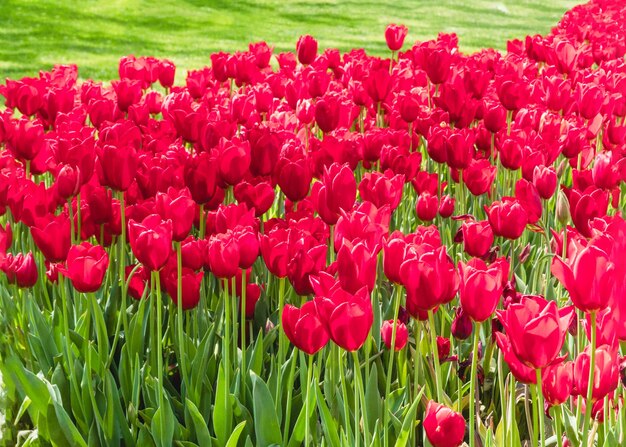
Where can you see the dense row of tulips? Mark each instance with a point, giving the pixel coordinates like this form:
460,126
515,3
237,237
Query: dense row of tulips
321,248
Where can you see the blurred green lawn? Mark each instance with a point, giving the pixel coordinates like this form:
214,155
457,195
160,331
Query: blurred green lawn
35,34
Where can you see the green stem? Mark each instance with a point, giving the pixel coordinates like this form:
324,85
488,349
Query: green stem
344,391
387,409
539,398
122,262
281,340
557,424
158,334
244,362
202,222
179,314
592,366
472,399
308,390
78,237
226,333
433,341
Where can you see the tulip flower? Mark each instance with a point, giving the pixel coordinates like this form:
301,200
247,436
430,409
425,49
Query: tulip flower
444,427
191,282
521,372
382,189
402,334
430,279
304,328
507,218
605,373
86,266
536,329
306,49
588,277
481,287
223,255
151,241
356,266
117,166
336,192
557,381
53,237
477,237
20,269
394,35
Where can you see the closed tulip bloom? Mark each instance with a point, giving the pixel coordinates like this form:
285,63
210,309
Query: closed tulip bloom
394,35
588,276
275,251
444,427
544,179
201,177
393,255
223,255
446,206
53,237
461,327
327,113
430,279
479,176
294,177
20,269
530,199
86,266
427,206
248,242
536,329
402,334
336,192
481,287
179,207
306,48
557,381
605,375
356,266
6,237
477,237
117,166
138,282
191,282
507,218
304,328
151,241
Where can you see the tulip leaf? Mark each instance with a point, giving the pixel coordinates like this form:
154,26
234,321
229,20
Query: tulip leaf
266,424
408,425
201,430
163,425
571,427
329,424
372,397
298,432
222,410
234,437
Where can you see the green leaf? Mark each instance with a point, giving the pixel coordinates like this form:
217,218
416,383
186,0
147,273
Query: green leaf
372,398
200,427
297,435
328,422
163,425
409,421
234,437
222,410
266,424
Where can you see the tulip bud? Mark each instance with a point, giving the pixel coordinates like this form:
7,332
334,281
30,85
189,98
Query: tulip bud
562,209
461,325
443,348
402,334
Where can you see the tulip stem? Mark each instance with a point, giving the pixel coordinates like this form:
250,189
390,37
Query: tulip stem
122,262
472,399
226,335
433,341
244,362
308,390
592,366
281,339
179,314
78,238
359,397
539,399
396,310
557,424
158,334
344,391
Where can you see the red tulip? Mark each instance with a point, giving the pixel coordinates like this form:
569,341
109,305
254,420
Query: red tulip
507,218
588,277
394,35
544,179
191,282
53,237
430,279
479,176
394,248
427,206
138,282
306,49
536,329
481,287
477,237
20,269
86,266
461,327
179,207
557,381
444,427
402,334
529,197
275,251
304,328
223,255
382,189
336,192
248,242
6,237
605,375
522,372
356,266
117,166
151,241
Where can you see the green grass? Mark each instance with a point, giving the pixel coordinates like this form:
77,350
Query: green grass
35,34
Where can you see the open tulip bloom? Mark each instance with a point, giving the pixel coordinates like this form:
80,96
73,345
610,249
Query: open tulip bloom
317,248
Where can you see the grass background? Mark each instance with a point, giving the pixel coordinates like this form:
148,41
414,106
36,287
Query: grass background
35,34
